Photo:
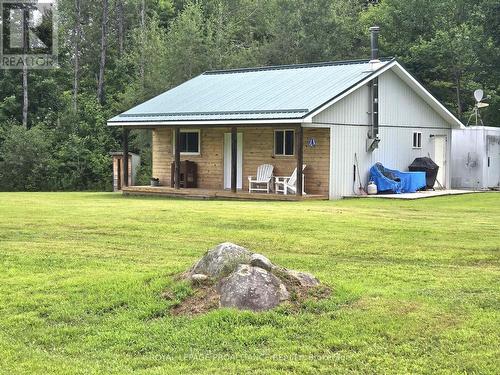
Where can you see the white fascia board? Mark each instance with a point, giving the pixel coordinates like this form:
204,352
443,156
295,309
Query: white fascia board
198,123
426,95
351,90
315,125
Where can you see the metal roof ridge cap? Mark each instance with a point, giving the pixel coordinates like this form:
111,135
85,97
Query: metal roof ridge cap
293,66
214,113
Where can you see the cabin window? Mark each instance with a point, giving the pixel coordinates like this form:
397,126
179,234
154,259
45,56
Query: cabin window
284,142
189,142
417,140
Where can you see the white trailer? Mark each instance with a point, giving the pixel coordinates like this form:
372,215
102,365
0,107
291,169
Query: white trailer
476,158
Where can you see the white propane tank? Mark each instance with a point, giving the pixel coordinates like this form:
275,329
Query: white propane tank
372,188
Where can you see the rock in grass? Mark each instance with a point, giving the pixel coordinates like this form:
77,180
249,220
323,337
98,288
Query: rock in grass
231,276
221,260
259,260
199,278
303,279
251,288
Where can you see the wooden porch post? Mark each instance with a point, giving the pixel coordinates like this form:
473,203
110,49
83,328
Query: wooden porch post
234,158
299,147
125,156
177,159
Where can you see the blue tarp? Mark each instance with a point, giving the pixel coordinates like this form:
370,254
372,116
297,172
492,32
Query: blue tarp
384,184
412,181
391,180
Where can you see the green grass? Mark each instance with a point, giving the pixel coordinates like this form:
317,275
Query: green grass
415,285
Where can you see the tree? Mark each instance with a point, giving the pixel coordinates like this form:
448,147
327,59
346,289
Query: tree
149,50
77,34
120,19
449,60
26,41
187,44
297,32
102,61
25,159
142,46
449,45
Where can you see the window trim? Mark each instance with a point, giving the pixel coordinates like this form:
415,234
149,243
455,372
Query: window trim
284,138
187,131
418,138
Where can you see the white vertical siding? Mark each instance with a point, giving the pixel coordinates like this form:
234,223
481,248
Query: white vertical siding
470,150
400,105
353,109
395,151
401,112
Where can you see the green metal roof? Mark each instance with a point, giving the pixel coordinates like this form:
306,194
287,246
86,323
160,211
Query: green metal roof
266,93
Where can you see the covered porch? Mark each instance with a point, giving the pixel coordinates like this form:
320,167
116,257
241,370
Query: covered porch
226,156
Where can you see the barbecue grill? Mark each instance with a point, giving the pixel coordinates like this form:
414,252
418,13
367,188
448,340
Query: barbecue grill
429,167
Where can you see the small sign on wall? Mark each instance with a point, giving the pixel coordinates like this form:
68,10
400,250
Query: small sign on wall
311,142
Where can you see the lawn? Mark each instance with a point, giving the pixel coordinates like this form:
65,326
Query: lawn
416,285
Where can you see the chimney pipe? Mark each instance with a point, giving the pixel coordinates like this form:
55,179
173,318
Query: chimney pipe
373,139
374,30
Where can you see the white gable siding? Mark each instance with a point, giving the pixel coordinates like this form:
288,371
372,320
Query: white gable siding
353,109
402,112
401,106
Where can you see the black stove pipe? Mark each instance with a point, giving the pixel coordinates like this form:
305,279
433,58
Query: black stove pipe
374,30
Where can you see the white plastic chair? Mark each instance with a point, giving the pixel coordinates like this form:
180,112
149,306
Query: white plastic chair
264,177
283,184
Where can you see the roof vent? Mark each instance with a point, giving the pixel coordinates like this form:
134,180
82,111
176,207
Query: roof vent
374,61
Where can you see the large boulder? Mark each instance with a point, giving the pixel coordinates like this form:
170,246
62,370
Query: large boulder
231,276
251,288
221,260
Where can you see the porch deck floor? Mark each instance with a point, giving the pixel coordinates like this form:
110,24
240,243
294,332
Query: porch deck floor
417,195
195,193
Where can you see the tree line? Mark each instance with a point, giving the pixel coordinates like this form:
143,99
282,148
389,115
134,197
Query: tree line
114,54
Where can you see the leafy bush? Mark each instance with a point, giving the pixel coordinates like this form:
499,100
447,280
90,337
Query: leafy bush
25,159
71,153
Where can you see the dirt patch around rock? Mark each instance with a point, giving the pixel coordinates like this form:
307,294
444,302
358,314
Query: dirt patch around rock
205,298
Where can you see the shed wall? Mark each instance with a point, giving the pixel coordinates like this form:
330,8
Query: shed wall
401,112
471,149
133,166
395,151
